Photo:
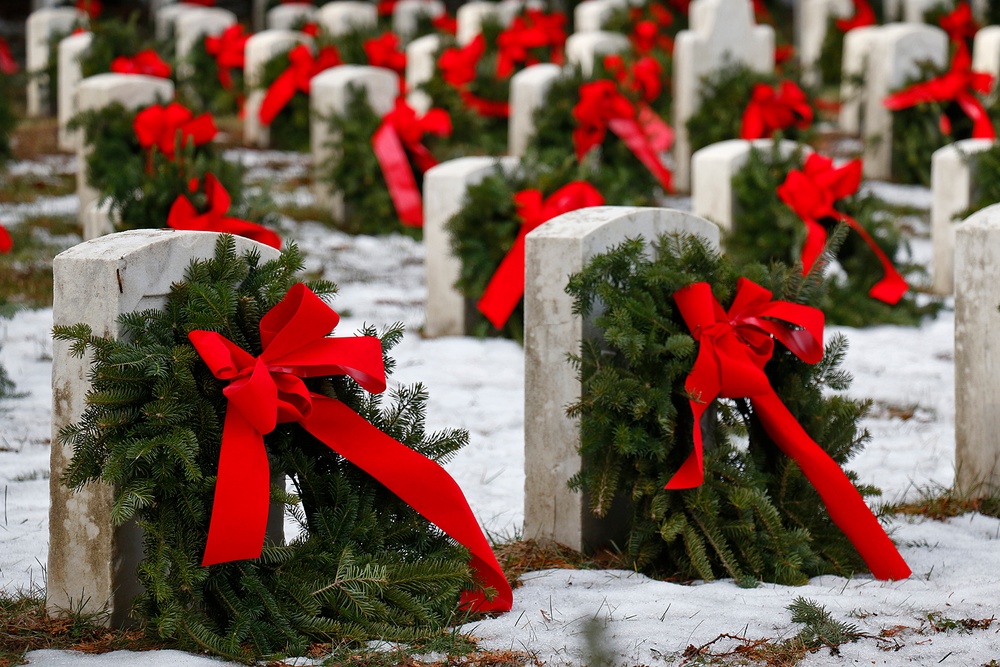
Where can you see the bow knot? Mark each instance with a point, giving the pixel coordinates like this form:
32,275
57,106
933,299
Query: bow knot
229,51
532,31
159,126
303,66
772,109
384,51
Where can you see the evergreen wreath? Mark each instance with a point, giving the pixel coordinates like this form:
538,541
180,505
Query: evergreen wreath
831,55
290,128
112,39
724,96
364,566
755,517
142,187
985,173
766,230
8,119
202,90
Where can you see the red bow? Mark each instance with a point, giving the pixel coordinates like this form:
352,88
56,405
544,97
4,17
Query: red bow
145,62
645,77
184,215
6,242
92,8
160,126
385,7
863,15
601,107
458,67
646,36
384,52
772,109
228,49
733,349
400,134
811,193
959,24
302,68
7,63
445,23
268,390
534,30
956,85
506,287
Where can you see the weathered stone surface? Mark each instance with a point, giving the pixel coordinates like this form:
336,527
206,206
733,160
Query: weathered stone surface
444,195
91,564
39,29
554,251
528,89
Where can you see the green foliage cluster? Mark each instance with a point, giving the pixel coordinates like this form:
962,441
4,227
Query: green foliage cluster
354,171
8,119
756,517
724,96
142,188
766,230
289,131
917,133
112,39
821,628
364,566
202,90
831,55
985,173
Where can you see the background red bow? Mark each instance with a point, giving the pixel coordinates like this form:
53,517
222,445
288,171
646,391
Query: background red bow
184,215
145,62
770,110
228,49
160,126
296,79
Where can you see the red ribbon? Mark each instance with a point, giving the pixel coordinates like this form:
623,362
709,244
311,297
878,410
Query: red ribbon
811,193
6,242
228,49
531,31
733,349
959,23
268,390
184,215
384,51
7,63
647,35
458,67
400,134
506,287
602,107
770,110
160,126
957,85
296,79
863,15
145,62
92,8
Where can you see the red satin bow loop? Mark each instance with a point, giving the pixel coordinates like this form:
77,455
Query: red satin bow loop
384,51
7,63
296,79
145,62
184,215
811,193
602,107
957,85
458,67
864,15
534,30
960,24
733,349
399,135
160,126
229,50
772,109
268,390
506,287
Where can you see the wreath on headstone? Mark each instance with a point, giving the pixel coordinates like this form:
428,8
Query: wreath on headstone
215,79
120,46
767,229
663,454
183,430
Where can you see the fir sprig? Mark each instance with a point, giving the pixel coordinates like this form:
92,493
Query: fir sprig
364,566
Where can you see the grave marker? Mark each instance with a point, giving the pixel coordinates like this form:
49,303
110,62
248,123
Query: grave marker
342,16
553,252
70,50
39,29
591,15
192,27
812,18
406,16
420,65
288,17
528,89
259,49
584,48
986,52
92,564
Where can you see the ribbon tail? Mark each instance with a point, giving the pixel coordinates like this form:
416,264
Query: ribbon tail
982,126
419,482
398,176
506,287
629,131
278,95
846,506
814,244
892,286
242,494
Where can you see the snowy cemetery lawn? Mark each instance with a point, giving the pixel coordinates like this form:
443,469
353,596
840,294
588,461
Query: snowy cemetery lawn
568,609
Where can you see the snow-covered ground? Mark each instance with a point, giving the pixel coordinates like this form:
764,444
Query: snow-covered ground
478,385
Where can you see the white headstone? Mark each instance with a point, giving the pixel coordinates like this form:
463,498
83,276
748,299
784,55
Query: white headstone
258,14
420,66
289,17
528,89
977,354
330,96
722,32
553,252
406,15
444,195
584,48
952,168
97,219
70,51
896,52
134,91
39,29
341,16
92,564
591,15
712,172
914,10
812,17
986,52
192,27
259,49
166,18
858,45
